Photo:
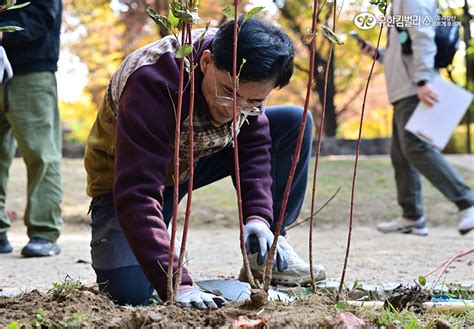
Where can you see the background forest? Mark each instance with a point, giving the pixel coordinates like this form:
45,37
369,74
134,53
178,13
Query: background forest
99,34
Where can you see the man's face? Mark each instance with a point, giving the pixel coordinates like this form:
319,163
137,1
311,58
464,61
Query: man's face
217,90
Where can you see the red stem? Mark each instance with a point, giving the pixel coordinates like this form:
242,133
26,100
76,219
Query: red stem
174,224
236,151
191,167
296,155
447,263
436,269
318,152
349,235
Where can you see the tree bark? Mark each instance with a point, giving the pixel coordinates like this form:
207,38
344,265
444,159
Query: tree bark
330,126
469,71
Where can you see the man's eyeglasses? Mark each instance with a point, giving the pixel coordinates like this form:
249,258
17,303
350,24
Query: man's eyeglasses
229,101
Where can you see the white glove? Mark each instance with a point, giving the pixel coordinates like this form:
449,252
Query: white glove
256,229
4,65
189,296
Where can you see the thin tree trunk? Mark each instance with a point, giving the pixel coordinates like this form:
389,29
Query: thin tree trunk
331,115
469,72
326,92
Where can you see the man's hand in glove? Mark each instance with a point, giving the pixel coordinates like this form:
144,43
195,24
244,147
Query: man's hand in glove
259,239
190,296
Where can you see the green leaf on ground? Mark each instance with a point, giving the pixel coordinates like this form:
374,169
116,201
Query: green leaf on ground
422,280
342,306
356,285
13,325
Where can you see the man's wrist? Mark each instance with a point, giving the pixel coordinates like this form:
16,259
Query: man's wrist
255,218
185,288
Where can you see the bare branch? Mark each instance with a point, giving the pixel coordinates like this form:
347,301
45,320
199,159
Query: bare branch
349,235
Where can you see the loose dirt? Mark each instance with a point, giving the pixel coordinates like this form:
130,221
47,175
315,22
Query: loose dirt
89,309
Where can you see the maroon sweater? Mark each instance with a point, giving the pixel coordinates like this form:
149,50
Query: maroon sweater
142,97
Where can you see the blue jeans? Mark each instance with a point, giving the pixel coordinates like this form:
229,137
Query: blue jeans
116,266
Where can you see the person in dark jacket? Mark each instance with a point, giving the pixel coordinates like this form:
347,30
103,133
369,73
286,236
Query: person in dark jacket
129,158
29,114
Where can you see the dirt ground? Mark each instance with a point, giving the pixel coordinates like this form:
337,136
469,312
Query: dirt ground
374,258
88,309
214,253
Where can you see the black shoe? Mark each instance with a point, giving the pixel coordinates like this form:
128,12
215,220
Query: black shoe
38,247
5,246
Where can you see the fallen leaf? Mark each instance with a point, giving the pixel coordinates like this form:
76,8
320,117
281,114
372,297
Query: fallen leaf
245,322
347,320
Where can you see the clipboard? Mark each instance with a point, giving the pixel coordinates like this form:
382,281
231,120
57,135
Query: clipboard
436,124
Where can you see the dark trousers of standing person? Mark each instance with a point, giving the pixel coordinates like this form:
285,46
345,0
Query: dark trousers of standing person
413,157
118,272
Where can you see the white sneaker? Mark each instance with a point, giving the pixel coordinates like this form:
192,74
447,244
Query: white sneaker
467,221
297,273
405,225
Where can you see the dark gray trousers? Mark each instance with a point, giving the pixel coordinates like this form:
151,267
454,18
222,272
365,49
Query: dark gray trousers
411,157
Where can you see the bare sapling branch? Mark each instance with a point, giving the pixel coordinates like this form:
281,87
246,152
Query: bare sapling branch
318,152
354,176
446,265
235,128
187,217
296,155
174,223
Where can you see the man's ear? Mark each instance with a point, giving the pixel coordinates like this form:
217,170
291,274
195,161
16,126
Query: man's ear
205,61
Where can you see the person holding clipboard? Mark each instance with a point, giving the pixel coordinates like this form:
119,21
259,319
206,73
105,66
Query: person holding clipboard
411,61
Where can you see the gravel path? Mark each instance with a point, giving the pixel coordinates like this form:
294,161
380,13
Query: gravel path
214,253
